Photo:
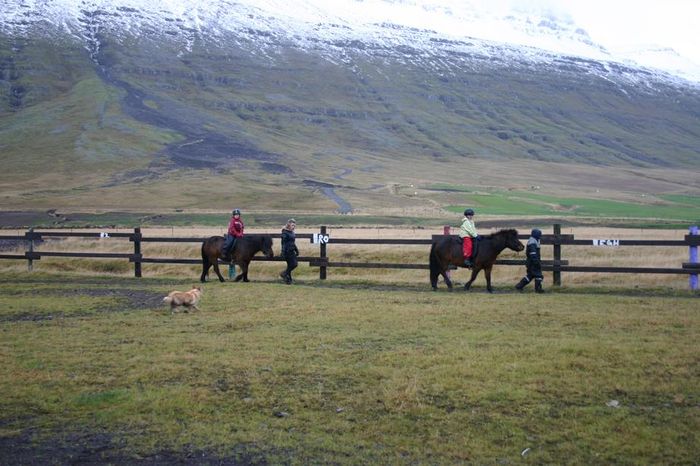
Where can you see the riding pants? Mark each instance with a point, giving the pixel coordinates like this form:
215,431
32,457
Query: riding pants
467,243
229,241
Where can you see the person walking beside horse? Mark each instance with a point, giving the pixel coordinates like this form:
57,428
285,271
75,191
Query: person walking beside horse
289,250
467,231
533,263
235,231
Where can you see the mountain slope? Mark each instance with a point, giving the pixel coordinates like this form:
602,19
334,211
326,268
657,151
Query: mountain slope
110,100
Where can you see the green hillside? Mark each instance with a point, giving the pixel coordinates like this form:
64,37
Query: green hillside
149,128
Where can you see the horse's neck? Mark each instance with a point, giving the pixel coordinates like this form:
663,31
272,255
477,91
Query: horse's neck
256,244
498,243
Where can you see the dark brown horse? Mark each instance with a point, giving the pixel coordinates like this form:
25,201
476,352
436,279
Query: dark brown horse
243,252
447,251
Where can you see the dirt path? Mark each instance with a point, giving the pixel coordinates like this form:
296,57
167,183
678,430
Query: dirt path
82,447
126,296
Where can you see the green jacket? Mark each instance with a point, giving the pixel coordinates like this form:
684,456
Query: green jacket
467,229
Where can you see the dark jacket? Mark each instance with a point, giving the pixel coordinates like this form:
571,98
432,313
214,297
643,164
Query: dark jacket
533,261
288,243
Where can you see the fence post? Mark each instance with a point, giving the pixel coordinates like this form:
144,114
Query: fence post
693,257
30,248
137,252
446,232
556,269
322,269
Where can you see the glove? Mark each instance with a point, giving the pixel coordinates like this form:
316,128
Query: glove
296,251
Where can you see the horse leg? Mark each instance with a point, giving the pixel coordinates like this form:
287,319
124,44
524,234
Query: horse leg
475,272
434,278
487,273
435,274
205,269
446,277
244,273
216,269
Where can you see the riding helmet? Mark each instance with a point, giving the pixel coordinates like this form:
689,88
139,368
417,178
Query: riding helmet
536,233
468,212
236,212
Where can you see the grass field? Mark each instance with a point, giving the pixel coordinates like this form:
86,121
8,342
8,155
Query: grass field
529,203
368,366
353,372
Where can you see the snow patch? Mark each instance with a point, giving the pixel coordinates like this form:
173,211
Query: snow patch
429,27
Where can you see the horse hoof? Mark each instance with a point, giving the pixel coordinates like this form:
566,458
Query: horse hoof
435,288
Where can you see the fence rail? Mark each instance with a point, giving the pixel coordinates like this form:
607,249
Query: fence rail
322,261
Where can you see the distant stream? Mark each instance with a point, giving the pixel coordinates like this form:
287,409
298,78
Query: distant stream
328,190
344,206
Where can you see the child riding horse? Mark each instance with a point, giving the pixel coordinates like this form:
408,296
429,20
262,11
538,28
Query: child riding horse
246,248
447,251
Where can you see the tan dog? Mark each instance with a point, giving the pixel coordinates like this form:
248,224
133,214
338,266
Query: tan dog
187,299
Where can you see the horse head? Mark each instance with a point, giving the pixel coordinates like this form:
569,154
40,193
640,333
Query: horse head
512,241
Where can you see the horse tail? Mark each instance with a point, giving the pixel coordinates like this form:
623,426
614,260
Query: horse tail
433,257
205,263
434,265
204,254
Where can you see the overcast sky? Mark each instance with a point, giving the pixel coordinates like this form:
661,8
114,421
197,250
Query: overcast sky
672,23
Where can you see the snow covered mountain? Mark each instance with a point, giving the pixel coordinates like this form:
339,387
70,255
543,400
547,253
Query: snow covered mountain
429,28
309,95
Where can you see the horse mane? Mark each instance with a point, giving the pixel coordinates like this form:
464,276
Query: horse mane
259,239
503,232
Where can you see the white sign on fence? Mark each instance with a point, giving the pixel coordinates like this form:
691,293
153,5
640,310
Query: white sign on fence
104,235
606,242
320,238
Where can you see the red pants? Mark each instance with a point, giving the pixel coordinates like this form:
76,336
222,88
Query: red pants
467,247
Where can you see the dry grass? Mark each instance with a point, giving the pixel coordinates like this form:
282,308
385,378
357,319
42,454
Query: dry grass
503,276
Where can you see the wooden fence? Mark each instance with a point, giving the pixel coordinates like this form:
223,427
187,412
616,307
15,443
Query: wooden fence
557,265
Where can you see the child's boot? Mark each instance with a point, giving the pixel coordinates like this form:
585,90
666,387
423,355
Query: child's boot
521,284
538,286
